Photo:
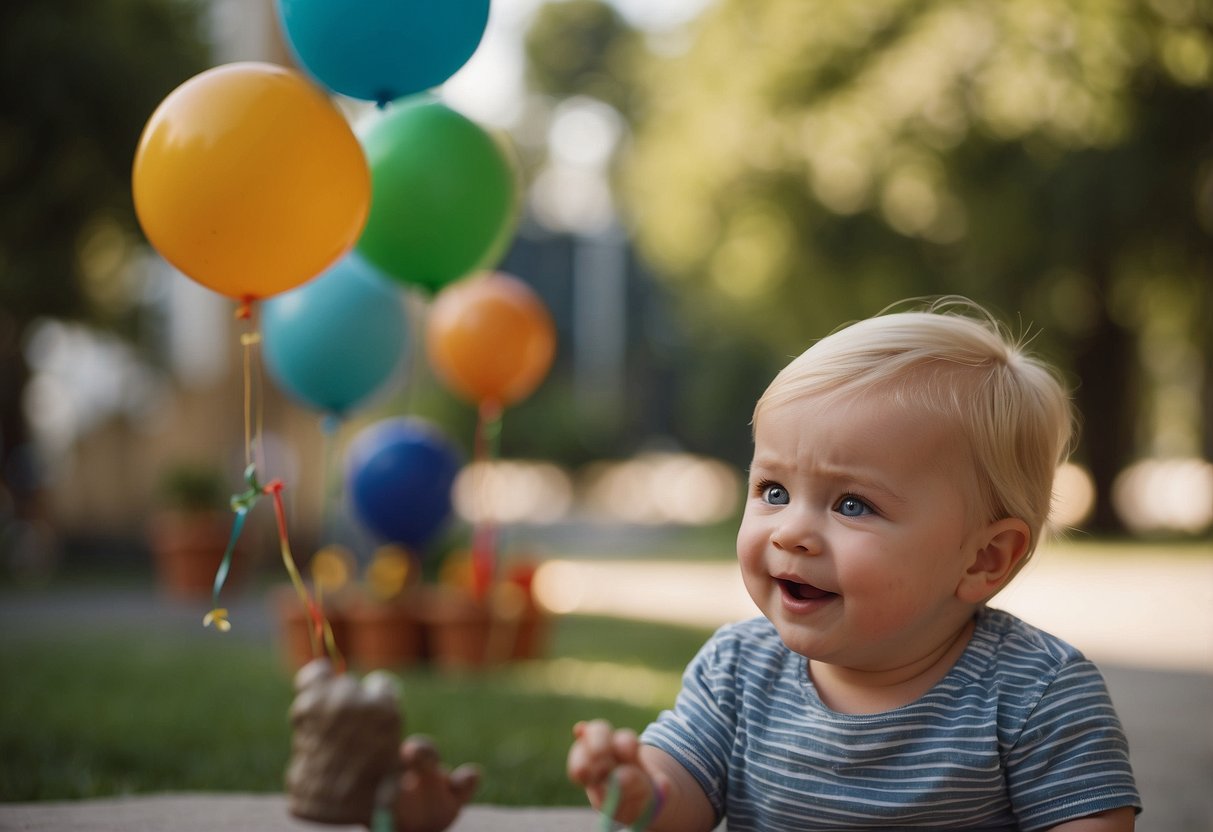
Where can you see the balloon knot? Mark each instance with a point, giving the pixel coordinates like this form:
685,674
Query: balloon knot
330,423
274,487
245,310
490,410
245,500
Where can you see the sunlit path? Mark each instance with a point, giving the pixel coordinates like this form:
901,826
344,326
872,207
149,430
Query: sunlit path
1145,607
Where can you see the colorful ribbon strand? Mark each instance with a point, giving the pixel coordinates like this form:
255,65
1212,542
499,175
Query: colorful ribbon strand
610,805
484,537
320,632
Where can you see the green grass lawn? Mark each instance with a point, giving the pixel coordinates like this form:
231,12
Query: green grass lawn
98,714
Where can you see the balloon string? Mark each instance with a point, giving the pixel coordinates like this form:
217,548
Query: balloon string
414,311
240,503
258,405
330,483
244,312
484,539
321,632
610,805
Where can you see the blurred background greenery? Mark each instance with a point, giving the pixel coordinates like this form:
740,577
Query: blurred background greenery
710,186
135,712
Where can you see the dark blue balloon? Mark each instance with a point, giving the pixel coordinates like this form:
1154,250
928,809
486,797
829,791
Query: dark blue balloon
399,475
381,50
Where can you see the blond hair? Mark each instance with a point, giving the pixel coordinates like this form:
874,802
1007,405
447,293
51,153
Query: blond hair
954,361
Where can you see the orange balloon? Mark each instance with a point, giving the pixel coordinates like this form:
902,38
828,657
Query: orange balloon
490,339
249,180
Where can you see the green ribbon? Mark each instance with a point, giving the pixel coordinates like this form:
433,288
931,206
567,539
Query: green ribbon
241,504
611,805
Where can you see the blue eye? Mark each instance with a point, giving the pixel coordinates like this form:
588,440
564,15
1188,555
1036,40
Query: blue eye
775,494
852,506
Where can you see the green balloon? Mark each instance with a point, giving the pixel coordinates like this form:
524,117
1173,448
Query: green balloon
443,195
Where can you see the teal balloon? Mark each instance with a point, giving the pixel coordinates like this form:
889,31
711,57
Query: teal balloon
381,50
336,340
444,195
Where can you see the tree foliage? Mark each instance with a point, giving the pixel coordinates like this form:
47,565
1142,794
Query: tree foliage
583,47
78,80
804,162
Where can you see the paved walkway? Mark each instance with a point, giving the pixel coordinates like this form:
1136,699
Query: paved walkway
254,813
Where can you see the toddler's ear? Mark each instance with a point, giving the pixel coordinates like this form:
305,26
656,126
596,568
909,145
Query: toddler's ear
999,550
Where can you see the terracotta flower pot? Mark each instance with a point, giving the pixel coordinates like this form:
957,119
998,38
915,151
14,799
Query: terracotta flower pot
466,633
457,628
383,634
534,627
187,549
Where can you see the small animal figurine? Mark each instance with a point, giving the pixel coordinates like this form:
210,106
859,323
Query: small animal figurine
348,765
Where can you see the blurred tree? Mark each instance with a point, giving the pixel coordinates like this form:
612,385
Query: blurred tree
583,47
802,162
78,80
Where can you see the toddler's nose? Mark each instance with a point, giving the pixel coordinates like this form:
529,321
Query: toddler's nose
797,533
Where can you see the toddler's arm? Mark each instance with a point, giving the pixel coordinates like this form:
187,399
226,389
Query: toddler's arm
646,778
1117,820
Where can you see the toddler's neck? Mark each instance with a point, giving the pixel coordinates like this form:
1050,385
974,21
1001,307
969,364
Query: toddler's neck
851,691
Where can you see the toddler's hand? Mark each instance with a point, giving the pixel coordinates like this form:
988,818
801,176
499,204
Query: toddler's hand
600,752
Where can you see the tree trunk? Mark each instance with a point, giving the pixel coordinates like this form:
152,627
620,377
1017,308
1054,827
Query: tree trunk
1204,340
1108,399
18,472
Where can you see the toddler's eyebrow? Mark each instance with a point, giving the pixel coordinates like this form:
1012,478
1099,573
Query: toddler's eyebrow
864,484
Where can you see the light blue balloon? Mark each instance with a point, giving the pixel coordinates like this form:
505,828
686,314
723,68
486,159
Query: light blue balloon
381,50
334,341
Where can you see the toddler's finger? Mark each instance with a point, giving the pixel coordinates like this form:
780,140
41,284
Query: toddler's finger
625,746
419,752
583,766
596,735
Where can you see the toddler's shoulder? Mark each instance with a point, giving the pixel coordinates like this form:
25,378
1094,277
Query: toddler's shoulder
1024,666
1011,643
744,649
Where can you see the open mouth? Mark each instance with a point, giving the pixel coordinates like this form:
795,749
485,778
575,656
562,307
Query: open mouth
803,592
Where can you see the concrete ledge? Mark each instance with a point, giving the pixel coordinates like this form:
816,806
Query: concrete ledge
251,813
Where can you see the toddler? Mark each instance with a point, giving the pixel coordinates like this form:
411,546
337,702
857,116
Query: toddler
902,475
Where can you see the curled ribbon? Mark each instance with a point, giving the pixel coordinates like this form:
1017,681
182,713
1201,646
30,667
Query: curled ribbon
320,632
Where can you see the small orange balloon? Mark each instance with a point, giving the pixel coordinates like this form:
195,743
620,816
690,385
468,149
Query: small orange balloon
249,180
490,339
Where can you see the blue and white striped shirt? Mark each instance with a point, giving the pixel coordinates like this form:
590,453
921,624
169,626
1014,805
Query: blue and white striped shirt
1020,734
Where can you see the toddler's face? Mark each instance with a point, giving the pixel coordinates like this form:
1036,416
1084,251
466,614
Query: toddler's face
856,530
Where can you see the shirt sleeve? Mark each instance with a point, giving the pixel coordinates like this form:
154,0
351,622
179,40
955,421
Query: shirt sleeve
699,732
1071,758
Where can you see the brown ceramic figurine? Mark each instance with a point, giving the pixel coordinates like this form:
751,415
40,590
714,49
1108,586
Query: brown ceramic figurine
347,763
